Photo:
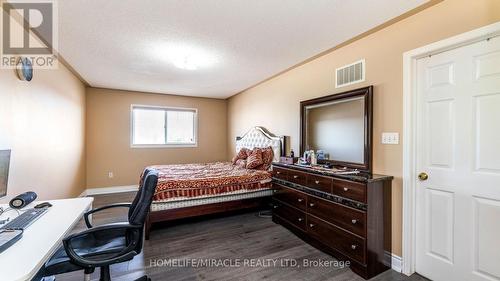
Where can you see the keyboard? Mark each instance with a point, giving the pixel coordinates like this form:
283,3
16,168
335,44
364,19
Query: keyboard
8,237
25,219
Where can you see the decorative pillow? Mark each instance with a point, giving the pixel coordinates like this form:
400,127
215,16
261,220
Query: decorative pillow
255,159
242,154
267,158
249,151
242,163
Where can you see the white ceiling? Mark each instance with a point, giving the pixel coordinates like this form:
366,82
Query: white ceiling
127,44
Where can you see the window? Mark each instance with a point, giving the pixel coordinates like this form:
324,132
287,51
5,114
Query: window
163,126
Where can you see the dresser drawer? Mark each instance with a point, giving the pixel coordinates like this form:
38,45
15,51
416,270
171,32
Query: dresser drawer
349,189
280,173
297,177
292,215
290,196
347,218
320,183
334,237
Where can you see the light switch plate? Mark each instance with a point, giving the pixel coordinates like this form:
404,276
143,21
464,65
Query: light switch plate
390,138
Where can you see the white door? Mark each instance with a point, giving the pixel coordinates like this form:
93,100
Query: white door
458,147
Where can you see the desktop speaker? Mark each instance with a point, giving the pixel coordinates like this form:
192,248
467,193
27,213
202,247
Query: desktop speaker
22,200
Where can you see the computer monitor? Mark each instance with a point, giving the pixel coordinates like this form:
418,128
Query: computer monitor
4,171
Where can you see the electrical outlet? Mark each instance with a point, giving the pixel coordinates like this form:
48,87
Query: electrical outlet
390,138
110,175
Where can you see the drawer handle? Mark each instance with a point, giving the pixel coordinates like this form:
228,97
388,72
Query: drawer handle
311,225
316,182
311,204
354,246
354,221
346,189
295,177
301,219
300,200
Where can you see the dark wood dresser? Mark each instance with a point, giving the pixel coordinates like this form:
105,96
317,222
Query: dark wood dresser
347,216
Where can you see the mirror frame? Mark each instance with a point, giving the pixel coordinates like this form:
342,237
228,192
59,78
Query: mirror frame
367,93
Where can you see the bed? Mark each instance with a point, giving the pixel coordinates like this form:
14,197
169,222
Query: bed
191,190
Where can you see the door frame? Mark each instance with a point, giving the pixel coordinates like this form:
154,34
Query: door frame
409,129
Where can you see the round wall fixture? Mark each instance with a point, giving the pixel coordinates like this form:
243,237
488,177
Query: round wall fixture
24,69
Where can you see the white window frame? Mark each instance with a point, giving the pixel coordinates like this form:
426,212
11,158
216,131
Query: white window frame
166,108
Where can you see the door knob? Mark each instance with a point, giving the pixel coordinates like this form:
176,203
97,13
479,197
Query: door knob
423,176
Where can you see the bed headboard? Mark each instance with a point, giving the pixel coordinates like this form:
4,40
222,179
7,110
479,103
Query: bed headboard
260,137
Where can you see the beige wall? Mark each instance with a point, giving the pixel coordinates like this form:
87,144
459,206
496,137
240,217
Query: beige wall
108,135
43,123
275,103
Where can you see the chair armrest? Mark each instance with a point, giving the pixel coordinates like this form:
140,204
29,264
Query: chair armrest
124,255
117,205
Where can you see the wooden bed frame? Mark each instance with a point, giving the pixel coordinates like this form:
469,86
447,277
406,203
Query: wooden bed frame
215,208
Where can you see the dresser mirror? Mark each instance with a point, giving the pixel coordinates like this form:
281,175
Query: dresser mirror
339,127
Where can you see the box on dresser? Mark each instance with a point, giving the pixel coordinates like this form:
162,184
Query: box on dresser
288,159
347,216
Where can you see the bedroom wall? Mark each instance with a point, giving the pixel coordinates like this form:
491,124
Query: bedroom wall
108,135
43,123
275,103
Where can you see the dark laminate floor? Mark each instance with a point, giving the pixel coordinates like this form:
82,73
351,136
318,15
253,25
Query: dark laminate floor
239,236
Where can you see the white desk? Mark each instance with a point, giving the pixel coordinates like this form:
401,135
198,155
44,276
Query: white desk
41,239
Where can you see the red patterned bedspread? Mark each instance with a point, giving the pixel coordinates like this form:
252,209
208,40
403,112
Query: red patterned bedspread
192,180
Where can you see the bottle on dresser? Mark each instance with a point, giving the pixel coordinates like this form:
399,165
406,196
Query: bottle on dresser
314,159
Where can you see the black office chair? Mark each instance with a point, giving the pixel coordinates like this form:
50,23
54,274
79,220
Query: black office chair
103,245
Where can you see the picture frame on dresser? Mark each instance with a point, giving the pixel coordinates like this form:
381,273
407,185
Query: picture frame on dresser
346,215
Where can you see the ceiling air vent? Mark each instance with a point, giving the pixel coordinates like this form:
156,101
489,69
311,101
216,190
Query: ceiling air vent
350,74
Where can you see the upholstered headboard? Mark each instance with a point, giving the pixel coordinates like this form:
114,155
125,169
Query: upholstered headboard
260,137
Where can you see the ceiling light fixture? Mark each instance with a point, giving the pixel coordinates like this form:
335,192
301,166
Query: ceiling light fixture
187,57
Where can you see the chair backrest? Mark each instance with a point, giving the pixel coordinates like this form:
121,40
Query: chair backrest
138,195
142,201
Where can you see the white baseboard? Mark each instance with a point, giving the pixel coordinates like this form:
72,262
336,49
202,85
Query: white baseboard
396,262
109,190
